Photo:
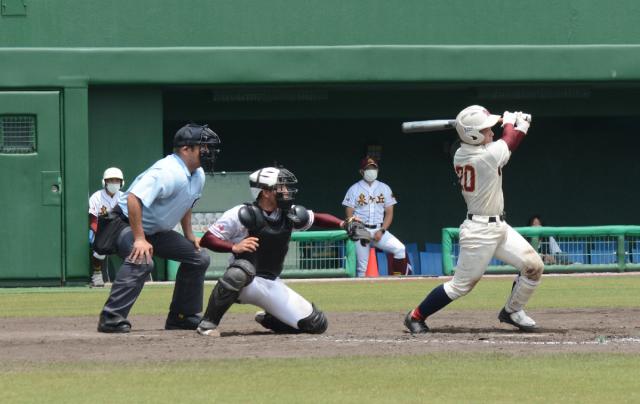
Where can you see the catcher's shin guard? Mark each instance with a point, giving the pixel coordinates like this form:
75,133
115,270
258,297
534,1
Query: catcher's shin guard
314,323
239,274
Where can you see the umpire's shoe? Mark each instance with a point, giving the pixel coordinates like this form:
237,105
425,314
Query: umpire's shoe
177,321
415,326
518,319
207,328
113,323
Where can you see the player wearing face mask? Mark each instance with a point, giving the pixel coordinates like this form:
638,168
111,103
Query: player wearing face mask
101,203
372,201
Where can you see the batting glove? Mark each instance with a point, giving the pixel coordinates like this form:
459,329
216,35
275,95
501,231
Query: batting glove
509,117
522,124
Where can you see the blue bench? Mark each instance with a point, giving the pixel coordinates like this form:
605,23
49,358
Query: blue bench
431,263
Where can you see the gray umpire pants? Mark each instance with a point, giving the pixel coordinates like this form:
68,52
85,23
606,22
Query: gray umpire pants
189,287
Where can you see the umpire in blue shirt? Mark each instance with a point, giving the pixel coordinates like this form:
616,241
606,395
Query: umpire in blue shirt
156,201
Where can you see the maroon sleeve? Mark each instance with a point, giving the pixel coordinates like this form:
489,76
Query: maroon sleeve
512,136
215,243
93,223
326,221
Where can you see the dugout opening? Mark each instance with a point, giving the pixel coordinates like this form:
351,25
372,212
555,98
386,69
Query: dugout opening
563,170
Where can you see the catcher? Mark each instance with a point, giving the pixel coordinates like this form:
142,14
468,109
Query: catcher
257,234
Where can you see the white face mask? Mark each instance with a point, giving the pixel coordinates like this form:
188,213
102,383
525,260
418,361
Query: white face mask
113,188
370,175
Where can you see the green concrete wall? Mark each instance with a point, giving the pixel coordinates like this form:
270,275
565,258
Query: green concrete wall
289,41
151,23
125,131
129,73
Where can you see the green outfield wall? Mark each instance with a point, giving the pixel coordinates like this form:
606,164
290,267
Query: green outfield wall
313,85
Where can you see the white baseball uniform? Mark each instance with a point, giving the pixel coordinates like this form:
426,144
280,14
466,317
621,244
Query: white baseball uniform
272,295
368,202
100,203
485,234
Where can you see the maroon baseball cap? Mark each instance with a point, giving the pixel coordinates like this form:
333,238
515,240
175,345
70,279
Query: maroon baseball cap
368,161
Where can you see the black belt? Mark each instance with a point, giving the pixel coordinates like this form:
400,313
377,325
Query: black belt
372,226
492,219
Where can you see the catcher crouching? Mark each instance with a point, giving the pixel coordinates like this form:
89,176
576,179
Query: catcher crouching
258,234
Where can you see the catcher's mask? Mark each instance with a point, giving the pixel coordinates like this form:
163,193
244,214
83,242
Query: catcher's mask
209,141
279,180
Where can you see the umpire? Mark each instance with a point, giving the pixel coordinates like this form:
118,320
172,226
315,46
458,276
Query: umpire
158,199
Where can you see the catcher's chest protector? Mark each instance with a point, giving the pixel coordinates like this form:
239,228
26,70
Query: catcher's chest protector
273,238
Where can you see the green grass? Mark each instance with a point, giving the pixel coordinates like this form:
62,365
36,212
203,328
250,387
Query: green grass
427,378
490,293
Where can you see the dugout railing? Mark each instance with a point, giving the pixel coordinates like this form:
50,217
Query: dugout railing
312,254
582,249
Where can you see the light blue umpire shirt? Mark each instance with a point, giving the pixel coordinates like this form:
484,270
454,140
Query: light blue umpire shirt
167,191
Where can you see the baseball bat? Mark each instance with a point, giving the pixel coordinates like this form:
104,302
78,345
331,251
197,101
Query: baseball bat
434,125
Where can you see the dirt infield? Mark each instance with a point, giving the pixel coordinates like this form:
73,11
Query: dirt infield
74,339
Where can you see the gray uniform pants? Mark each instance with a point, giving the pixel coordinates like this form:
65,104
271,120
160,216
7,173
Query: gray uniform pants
189,287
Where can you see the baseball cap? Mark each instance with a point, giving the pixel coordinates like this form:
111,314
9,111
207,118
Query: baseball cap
368,161
192,134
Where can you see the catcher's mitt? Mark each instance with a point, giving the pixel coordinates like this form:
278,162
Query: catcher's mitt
356,231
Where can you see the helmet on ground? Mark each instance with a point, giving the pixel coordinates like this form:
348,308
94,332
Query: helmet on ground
274,179
112,172
471,120
193,134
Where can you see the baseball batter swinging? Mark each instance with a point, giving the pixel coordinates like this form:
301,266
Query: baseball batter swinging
258,235
484,234
371,201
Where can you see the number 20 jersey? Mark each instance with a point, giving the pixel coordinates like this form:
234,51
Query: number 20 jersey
479,170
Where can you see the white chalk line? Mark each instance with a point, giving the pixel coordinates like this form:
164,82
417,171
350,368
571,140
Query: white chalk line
481,341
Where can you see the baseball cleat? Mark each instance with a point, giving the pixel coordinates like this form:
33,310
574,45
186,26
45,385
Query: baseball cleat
518,319
177,321
415,326
207,328
96,280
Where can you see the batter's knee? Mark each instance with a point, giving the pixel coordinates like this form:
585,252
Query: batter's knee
456,289
314,323
533,266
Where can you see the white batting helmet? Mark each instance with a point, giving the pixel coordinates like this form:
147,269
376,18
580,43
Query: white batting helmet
112,172
471,120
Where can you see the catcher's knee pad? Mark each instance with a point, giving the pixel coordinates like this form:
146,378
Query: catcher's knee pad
533,266
314,323
239,274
